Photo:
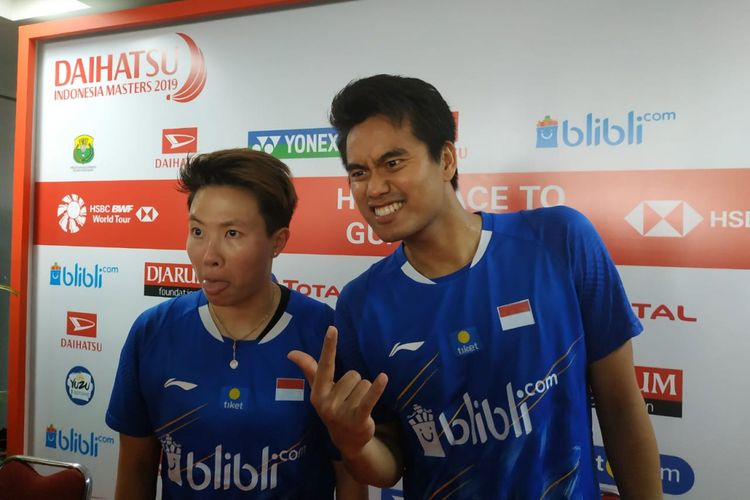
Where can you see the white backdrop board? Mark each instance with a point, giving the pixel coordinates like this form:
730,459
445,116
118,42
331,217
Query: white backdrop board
633,113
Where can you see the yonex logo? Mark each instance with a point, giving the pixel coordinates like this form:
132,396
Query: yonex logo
664,218
147,214
71,213
295,143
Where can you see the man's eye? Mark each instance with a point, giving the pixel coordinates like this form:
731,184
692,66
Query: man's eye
196,231
392,163
233,233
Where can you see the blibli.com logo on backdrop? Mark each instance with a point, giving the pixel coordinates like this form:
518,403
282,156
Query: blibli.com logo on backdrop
73,441
79,276
295,143
597,131
677,477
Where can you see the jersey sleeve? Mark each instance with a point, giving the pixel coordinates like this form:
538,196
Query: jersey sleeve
127,412
607,316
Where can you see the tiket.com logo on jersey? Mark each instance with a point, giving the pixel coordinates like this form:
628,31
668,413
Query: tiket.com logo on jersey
677,477
234,398
296,143
147,69
465,341
73,441
663,218
161,279
80,324
79,276
228,471
596,131
661,389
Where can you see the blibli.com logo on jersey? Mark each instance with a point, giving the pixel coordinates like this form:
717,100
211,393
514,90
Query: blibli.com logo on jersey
465,341
295,143
234,398
73,441
224,470
476,423
597,131
79,276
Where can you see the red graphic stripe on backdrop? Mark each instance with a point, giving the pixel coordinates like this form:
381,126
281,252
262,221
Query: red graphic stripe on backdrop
675,218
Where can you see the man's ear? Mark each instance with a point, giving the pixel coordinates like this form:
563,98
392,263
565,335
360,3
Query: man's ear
448,161
280,237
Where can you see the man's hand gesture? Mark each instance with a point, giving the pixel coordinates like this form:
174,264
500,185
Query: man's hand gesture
344,406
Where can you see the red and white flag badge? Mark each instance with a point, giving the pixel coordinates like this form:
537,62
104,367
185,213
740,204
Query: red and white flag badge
290,389
515,315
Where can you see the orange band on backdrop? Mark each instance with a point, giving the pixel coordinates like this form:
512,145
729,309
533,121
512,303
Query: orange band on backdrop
646,218
28,38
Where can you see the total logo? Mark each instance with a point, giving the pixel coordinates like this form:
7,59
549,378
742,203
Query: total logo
80,386
161,279
80,324
663,218
596,131
177,141
73,441
227,471
661,389
295,143
317,290
79,276
141,70
677,476
662,311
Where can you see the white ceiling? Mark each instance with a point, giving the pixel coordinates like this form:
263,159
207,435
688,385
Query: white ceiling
9,36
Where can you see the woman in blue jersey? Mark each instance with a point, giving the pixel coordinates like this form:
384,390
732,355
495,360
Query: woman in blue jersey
203,388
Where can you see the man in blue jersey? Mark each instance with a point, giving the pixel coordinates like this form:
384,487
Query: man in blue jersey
467,354
203,379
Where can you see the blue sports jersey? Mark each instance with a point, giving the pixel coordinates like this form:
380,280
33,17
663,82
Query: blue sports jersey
487,366
248,432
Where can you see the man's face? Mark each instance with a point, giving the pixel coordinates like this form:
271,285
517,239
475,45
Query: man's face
228,246
398,187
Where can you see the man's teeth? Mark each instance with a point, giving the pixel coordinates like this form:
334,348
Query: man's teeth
388,209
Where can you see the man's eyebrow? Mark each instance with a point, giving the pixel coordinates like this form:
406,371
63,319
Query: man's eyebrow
393,153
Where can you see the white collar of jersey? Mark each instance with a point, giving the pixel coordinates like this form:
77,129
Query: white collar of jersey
208,323
484,241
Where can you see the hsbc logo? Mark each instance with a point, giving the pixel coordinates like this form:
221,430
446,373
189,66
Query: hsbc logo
81,324
147,214
661,389
664,218
179,140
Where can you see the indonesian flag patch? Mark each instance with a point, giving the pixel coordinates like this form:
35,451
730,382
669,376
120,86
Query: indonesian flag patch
290,389
515,315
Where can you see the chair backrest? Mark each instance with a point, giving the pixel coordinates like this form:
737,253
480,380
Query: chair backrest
19,480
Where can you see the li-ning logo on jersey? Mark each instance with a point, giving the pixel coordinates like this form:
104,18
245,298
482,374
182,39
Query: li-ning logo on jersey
409,346
477,422
227,469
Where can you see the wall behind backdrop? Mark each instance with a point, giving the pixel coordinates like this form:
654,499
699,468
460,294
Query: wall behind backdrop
634,114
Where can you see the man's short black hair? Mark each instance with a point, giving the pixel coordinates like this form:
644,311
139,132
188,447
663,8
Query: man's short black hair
401,100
